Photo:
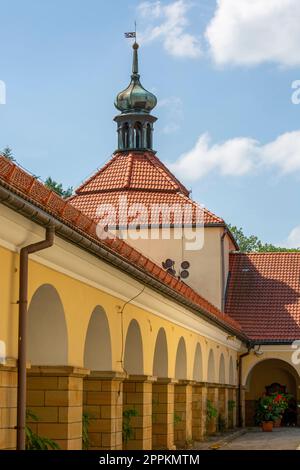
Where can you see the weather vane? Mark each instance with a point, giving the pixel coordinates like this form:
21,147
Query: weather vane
131,34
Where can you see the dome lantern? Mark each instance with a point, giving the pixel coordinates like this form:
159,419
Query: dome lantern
135,123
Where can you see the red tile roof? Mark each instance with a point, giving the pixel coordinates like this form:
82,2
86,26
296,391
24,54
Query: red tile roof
263,294
31,189
142,178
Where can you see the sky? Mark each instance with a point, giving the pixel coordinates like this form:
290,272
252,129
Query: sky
226,74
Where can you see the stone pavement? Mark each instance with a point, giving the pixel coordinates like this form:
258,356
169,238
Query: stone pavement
255,439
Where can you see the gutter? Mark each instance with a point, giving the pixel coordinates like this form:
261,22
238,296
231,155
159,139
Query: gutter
22,335
23,205
240,385
223,270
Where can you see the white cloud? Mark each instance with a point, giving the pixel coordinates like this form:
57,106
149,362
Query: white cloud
173,115
293,239
171,29
249,32
239,156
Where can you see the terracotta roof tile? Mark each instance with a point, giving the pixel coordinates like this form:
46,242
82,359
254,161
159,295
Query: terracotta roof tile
142,178
263,294
28,187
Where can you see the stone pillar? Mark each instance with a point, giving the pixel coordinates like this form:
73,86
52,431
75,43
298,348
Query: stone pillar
54,395
183,413
163,414
231,408
234,412
243,407
137,396
102,401
8,406
212,397
199,403
223,408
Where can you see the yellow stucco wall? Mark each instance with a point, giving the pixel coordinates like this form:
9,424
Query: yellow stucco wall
205,263
79,300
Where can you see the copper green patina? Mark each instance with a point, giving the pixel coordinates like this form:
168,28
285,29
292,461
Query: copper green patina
135,98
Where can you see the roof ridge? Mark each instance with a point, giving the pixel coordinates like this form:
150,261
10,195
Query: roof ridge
263,253
129,170
162,168
96,173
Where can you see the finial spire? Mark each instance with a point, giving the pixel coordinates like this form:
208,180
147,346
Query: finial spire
135,62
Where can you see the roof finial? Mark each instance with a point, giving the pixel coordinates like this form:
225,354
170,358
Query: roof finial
135,46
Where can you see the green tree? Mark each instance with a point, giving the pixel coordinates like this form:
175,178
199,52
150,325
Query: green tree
7,152
58,188
252,243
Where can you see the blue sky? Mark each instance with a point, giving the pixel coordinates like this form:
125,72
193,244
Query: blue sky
222,73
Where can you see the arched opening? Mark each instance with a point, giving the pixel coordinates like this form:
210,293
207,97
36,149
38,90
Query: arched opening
47,336
181,361
97,349
211,375
222,379
137,135
198,368
125,135
149,136
231,372
133,355
272,375
160,360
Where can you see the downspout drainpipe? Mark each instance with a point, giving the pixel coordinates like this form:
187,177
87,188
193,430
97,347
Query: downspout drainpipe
22,336
223,270
240,405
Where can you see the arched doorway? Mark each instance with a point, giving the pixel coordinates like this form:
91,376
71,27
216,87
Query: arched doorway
47,336
222,379
133,356
211,374
269,372
181,365
54,387
160,360
198,368
97,349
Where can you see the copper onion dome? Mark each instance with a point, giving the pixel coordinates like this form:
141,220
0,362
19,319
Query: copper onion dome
135,98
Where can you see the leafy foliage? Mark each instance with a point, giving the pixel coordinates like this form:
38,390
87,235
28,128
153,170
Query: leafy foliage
231,405
7,152
211,411
127,432
58,188
33,440
271,407
85,431
177,419
253,244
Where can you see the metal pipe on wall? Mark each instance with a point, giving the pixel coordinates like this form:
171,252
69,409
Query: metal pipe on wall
22,335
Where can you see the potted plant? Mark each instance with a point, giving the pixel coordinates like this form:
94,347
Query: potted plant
280,401
267,412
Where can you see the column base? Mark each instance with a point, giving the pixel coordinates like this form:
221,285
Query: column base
163,414
137,405
54,395
8,404
103,400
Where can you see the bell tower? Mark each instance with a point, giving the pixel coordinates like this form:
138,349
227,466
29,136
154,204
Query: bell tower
135,123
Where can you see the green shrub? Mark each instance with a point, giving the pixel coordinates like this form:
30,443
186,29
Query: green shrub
127,431
85,431
33,440
211,411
